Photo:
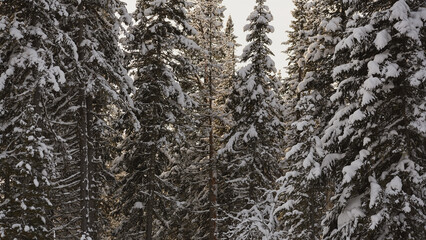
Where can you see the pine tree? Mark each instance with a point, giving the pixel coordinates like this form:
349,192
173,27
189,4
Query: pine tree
207,18
230,64
150,204
377,136
303,185
250,157
97,87
31,74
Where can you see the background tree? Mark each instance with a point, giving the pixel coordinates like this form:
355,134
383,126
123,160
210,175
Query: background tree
150,204
303,186
250,157
207,18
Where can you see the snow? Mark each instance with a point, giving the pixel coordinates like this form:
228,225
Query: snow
157,3
376,219
381,57
358,115
251,133
230,144
9,72
334,24
293,150
329,159
399,11
372,83
16,225
36,183
350,171
392,70
15,33
394,187
415,81
367,98
382,39
23,206
351,212
375,190
373,68
138,205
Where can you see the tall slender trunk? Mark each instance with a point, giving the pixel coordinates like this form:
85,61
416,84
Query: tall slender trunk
85,130
212,172
6,184
150,207
90,201
84,162
212,163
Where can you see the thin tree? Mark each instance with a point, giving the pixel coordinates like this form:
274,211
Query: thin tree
150,206
250,156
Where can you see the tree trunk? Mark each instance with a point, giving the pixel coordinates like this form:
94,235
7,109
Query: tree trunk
90,169
150,207
212,167
84,162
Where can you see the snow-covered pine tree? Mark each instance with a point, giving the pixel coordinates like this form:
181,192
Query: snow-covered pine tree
297,44
207,17
150,206
229,64
303,187
224,87
97,86
377,136
32,49
250,157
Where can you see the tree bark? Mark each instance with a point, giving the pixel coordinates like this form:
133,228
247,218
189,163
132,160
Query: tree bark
150,207
212,167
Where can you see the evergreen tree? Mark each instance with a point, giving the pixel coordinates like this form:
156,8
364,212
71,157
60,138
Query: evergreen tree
150,204
303,187
97,87
230,64
250,157
207,17
32,49
376,138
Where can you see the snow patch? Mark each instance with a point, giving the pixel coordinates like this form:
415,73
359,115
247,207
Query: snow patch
394,187
375,190
382,39
138,205
351,212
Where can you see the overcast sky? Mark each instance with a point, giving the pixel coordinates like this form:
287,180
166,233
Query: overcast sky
240,9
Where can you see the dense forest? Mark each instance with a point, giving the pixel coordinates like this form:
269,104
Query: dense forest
149,126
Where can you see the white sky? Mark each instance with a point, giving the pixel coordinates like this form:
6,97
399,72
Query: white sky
240,9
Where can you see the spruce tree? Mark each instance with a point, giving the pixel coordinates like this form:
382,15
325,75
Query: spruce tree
207,18
32,50
303,186
97,87
150,206
376,138
250,157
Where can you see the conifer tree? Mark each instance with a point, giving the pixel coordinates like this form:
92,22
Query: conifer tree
303,185
207,18
97,87
376,138
230,63
150,204
32,50
252,151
